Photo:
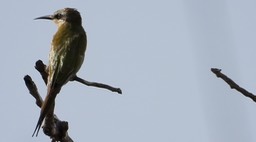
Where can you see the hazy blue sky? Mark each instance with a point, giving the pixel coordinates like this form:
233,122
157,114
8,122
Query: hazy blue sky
160,54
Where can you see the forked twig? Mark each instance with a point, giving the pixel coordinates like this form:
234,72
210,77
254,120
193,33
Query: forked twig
53,127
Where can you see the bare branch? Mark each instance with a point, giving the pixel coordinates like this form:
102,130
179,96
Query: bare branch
41,67
99,85
56,129
33,90
232,84
53,127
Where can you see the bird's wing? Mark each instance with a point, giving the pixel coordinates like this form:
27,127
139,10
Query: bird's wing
65,60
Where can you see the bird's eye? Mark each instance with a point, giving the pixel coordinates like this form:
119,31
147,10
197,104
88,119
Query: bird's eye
58,16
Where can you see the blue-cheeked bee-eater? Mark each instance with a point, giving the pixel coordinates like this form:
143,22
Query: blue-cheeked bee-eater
66,56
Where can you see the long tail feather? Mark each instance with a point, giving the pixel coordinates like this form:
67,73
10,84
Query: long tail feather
46,107
38,125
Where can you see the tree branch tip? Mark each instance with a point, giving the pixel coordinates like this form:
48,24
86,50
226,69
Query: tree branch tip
215,70
27,77
28,80
40,66
39,62
119,91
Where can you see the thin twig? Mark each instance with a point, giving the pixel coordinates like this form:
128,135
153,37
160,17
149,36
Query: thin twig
232,84
99,85
33,90
41,67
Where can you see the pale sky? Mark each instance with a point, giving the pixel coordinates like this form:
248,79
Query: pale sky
160,54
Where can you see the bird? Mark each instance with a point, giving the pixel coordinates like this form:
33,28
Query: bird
65,58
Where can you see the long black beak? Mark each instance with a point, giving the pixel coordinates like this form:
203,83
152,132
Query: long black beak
47,17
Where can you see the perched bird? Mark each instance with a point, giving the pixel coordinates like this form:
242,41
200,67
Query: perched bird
66,55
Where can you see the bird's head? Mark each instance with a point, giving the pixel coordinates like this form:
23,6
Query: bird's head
61,16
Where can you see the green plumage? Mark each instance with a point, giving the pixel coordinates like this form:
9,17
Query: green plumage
65,58
67,53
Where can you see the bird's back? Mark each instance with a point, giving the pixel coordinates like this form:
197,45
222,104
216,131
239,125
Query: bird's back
67,53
